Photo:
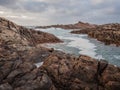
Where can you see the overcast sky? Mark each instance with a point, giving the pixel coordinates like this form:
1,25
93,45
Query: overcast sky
47,12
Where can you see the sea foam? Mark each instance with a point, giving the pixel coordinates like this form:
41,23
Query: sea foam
39,64
83,45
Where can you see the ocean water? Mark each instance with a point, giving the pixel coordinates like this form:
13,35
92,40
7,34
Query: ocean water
81,44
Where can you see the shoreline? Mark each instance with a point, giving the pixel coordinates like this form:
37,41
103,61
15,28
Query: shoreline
59,71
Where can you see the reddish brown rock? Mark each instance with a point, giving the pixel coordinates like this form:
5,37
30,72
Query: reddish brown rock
83,73
60,71
25,76
79,25
5,86
19,51
108,33
12,33
111,85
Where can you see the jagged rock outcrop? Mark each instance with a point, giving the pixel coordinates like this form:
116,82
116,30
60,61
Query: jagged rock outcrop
60,71
19,34
18,74
83,73
79,25
19,51
108,33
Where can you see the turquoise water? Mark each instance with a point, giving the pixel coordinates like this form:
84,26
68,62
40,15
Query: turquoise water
80,44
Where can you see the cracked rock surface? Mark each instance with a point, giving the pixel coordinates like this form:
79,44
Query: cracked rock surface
60,71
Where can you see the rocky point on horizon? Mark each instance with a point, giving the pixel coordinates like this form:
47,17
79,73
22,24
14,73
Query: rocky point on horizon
107,33
77,25
20,50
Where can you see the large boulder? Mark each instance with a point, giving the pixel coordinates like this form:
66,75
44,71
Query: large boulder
83,73
22,75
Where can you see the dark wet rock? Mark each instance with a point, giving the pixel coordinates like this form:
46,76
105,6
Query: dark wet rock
26,77
111,85
6,86
102,65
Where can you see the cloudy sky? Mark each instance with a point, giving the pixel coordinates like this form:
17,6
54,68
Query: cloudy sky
47,12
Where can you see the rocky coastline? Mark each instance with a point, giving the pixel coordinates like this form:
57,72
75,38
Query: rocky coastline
20,49
107,33
77,25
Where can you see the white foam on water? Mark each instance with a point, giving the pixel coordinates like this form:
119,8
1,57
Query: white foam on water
76,41
99,57
83,45
39,64
117,56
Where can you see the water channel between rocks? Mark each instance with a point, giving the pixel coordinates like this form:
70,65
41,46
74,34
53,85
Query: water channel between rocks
81,44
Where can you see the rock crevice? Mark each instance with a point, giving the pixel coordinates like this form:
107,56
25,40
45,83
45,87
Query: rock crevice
60,71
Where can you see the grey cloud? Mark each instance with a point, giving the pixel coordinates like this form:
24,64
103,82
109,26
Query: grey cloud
9,3
65,11
35,6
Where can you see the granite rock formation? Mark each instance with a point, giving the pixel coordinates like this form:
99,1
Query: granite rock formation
60,71
107,33
83,73
19,51
12,32
79,25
